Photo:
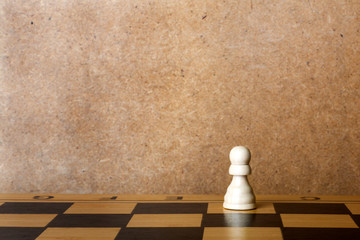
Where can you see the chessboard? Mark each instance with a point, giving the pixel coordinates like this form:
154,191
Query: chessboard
190,217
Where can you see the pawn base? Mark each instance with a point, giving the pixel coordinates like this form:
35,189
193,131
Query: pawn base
233,206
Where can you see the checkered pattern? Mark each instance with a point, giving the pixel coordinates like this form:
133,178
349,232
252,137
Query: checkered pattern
169,220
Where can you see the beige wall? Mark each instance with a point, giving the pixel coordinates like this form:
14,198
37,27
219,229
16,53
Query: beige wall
139,96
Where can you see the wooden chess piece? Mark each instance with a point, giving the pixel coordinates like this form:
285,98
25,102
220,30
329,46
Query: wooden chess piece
239,194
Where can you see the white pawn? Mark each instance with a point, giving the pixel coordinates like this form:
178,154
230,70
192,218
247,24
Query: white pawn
239,194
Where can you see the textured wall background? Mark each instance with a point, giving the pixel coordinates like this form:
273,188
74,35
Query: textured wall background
134,96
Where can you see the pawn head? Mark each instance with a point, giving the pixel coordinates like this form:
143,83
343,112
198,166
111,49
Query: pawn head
240,155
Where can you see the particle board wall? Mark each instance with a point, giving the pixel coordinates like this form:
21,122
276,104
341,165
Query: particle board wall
134,96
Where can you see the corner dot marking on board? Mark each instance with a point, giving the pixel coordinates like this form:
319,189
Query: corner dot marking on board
43,197
309,198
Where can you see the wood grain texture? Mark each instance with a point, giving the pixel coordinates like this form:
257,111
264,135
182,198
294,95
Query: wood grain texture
25,220
165,220
264,200
318,221
354,207
101,208
79,233
148,97
245,233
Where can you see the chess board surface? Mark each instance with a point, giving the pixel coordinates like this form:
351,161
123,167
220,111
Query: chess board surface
176,217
